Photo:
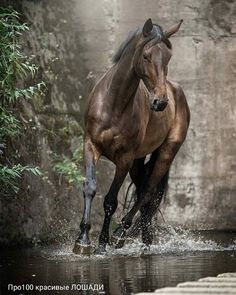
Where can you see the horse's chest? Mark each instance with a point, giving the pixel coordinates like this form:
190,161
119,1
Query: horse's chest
120,138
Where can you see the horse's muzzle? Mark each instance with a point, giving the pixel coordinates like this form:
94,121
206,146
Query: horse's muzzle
159,105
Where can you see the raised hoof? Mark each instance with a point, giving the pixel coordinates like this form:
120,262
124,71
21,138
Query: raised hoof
101,250
117,242
80,249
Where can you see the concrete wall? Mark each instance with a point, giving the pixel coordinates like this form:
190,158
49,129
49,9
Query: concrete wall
74,42
203,180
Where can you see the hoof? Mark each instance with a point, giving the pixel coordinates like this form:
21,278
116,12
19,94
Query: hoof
101,250
80,249
145,250
117,242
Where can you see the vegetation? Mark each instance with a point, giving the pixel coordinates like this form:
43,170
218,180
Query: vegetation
15,68
69,167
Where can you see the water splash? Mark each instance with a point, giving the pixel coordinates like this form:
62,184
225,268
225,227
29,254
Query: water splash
184,241
170,240
175,242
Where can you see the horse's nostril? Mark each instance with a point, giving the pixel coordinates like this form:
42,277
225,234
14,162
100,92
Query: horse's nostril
159,105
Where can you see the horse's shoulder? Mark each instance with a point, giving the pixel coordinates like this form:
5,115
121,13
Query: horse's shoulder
178,92
180,99
176,88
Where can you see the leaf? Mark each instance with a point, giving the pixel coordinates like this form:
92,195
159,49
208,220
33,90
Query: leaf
14,68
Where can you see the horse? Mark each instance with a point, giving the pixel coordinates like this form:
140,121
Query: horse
133,111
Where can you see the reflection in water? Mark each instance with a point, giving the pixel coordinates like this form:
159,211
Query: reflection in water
172,260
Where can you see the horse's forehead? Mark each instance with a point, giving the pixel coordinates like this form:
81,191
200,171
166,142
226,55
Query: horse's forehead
161,47
151,44
158,48
156,44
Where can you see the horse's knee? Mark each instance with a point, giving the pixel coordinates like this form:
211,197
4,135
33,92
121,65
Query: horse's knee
177,144
89,188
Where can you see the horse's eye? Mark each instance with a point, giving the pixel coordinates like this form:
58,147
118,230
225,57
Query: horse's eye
146,57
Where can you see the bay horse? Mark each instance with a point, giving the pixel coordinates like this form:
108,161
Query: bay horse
133,111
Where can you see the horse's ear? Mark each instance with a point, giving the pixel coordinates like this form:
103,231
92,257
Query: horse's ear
147,28
172,30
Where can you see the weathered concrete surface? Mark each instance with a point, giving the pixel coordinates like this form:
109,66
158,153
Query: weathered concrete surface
74,42
211,285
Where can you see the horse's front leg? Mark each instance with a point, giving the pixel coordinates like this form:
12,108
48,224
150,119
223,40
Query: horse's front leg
166,155
150,209
147,213
110,203
91,156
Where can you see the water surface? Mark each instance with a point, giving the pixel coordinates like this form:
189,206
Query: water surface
174,258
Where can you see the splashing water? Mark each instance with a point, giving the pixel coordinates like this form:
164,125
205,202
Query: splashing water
173,241
186,241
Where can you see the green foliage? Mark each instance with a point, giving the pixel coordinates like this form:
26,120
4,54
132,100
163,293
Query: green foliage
69,167
14,65
9,125
15,68
9,176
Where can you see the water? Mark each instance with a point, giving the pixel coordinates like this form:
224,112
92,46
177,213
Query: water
175,257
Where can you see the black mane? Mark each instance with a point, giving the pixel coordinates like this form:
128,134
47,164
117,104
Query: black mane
156,33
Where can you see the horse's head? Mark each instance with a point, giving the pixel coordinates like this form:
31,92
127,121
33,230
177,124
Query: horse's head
151,59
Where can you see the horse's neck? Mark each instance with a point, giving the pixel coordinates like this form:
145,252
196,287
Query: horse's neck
124,83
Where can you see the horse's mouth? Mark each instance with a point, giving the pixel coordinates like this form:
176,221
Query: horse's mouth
159,105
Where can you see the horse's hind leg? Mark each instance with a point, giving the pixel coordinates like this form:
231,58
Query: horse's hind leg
91,156
110,203
137,173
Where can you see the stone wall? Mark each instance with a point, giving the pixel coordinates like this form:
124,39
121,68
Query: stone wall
74,42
